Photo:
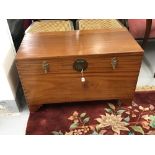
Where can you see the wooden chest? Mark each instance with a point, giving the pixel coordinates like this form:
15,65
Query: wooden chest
83,65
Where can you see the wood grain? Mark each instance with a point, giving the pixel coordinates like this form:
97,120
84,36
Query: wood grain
96,64
62,83
77,43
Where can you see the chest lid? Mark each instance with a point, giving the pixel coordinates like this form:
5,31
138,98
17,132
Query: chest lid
77,43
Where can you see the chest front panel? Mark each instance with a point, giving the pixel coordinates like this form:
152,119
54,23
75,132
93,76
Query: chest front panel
62,83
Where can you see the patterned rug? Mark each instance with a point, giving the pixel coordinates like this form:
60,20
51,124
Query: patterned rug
96,118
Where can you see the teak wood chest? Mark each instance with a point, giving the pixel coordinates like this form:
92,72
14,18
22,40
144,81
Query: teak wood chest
58,67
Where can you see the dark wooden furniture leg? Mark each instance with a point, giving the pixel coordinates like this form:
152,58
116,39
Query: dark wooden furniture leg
126,101
34,108
147,31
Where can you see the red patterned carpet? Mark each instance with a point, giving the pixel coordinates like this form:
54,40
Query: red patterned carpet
96,117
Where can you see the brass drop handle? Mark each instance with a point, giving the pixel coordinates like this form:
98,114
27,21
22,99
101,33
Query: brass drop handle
81,65
82,77
114,62
45,66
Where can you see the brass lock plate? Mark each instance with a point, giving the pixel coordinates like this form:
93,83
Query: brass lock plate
80,64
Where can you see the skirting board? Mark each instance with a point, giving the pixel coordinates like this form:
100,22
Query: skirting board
145,88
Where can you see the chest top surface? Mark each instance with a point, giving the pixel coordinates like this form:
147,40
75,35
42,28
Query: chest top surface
77,43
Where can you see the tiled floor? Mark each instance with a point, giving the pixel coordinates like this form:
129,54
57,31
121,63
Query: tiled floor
16,123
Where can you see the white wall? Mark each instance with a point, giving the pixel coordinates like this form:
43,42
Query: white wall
8,73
